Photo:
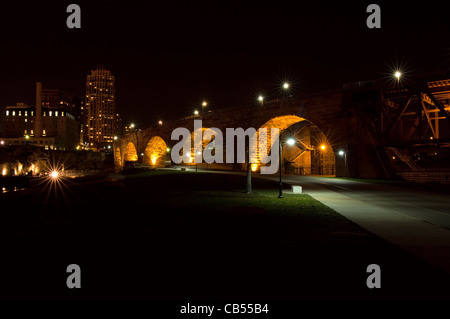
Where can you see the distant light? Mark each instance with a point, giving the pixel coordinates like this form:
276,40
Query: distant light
168,150
285,85
54,174
254,167
398,74
115,138
291,141
78,147
393,157
260,98
109,146
341,153
2,142
142,154
27,136
199,153
323,147
196,112
431,137
160,122
132,125
204,104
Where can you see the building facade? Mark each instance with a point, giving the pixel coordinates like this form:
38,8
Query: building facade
49,124
99,110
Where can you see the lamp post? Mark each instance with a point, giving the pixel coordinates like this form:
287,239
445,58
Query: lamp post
342,153
291,142
204,104
196,163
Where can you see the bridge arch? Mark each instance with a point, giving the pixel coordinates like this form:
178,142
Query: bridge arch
130,153
311,153
155,151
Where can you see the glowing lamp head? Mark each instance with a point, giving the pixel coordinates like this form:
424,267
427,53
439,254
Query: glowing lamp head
398,74
54,174
341,153
132,125
160,122
285,85
115,138
2,142
260,98
290,141
204,104
323,147
27,137
167,150
196,112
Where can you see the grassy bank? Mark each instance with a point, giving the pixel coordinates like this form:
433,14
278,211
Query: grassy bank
166,234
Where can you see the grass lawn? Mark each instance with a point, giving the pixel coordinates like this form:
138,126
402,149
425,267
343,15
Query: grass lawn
166,234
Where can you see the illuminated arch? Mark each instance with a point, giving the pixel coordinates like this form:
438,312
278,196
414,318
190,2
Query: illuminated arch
199,133
280,122
296,153
155,152
117,158
130,154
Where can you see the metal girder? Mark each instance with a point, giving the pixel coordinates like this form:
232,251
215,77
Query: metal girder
397,117
435,135
437,104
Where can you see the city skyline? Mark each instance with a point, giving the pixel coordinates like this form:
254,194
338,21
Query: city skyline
225,53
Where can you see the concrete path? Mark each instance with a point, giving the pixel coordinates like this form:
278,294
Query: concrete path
416,221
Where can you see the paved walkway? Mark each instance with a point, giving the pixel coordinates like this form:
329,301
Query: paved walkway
416,221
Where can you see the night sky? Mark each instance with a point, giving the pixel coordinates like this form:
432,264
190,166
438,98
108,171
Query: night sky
168,56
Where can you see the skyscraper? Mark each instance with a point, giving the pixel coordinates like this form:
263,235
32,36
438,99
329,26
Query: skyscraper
99,110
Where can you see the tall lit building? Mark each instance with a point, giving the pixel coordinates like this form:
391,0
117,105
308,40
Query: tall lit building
99,110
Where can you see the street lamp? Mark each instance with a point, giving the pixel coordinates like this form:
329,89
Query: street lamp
160,122
342,153
195,112
398,74
291,142
285,85
204,104
132,125
261,98
196,163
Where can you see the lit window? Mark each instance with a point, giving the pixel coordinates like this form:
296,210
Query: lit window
7,113
25,132
32,113
14,113
20,113
50,113
26,113
32,132
44,133
26,120
56,113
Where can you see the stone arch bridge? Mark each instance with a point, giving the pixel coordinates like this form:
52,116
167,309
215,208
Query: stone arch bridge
351,129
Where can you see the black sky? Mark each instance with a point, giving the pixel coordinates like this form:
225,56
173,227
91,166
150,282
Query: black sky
167,56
